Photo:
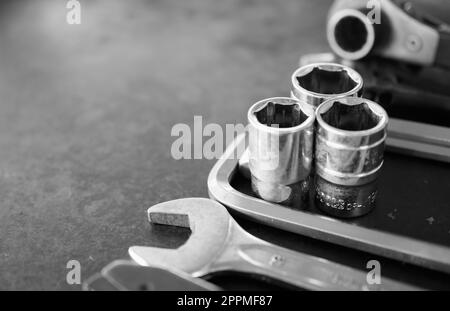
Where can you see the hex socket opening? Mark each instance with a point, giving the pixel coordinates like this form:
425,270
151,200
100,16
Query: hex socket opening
273,114
280,141
358,117
351,33
325,80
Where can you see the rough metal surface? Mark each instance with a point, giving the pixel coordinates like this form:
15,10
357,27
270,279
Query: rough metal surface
86,114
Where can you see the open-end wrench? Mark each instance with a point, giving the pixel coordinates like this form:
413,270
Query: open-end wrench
125,275
217,243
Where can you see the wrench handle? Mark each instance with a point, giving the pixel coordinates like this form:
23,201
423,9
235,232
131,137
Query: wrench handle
304,271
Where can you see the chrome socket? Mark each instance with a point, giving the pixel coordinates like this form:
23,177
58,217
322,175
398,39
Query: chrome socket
281,137
345,201
350,139
350,33
318,82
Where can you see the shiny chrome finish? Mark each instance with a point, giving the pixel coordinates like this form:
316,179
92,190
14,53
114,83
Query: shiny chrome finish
318,82
350,140
281,137
353,32
350,34
364,238
406,137
344,201
218,244
125,275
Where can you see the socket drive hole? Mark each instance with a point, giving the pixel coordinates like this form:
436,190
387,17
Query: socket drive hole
351,33
323,81
351,117
280,115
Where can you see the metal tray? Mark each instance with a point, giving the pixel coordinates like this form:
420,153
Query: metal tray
411,222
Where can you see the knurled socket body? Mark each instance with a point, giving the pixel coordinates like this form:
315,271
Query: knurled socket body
350,140
318,82
281,137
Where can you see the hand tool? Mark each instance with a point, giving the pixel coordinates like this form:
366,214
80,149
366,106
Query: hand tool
281,137
217,243
419,139
350,138
317,82
412,98
98,282
393,239
243,166
394,29
126,275
344,201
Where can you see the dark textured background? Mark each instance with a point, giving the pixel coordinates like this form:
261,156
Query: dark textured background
86,114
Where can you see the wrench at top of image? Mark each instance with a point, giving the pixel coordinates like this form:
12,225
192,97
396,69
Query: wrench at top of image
126,275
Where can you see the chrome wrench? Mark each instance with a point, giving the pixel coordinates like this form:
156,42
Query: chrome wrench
217,243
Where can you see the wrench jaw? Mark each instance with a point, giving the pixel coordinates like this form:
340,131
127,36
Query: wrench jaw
218,243
169,219
210,226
